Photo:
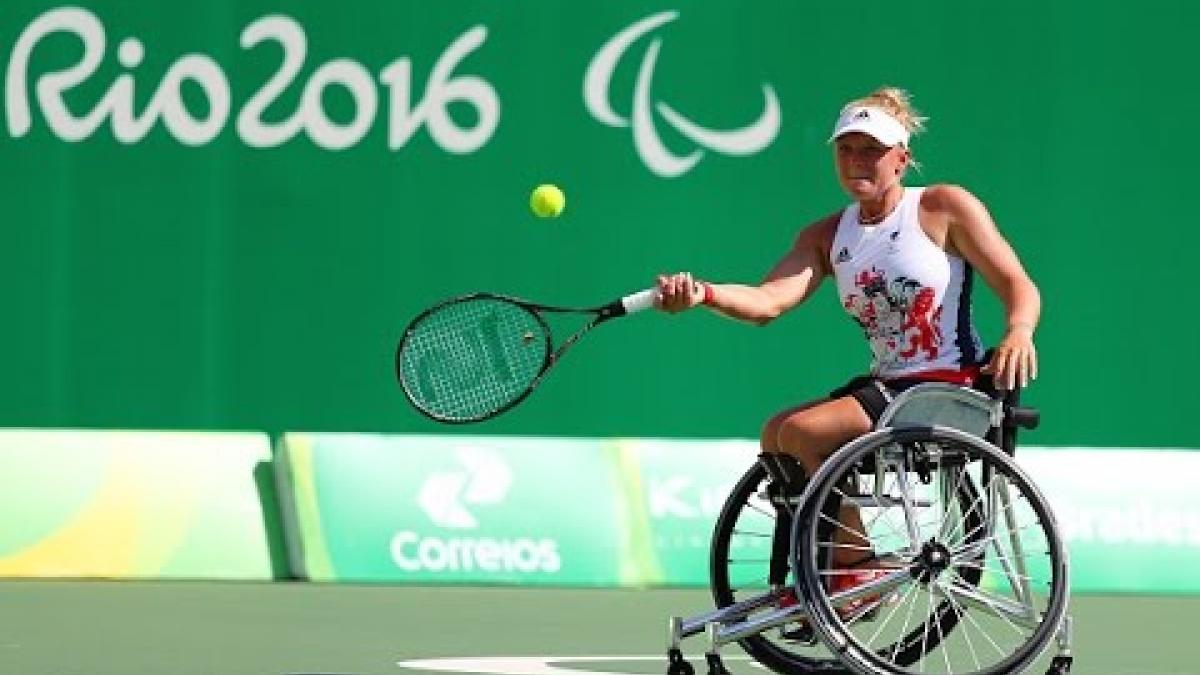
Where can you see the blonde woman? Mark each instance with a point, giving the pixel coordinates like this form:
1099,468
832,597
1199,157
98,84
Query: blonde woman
904,260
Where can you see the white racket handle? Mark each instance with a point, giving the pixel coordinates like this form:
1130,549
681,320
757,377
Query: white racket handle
641,300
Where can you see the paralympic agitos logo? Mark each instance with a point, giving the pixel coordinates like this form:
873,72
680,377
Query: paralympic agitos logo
657,157
388,94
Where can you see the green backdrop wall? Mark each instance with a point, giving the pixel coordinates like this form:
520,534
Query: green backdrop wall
241,246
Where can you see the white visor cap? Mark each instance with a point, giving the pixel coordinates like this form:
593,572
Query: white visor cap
874,122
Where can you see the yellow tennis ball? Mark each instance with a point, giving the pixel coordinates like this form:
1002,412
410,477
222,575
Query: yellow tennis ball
547,201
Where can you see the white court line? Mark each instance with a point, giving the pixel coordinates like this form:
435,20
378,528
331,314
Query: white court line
529,665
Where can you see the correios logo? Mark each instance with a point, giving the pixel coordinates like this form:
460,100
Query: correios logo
444,496
405,116
451,500
653,152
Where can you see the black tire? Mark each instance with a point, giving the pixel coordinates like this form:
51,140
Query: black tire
733,578
963,563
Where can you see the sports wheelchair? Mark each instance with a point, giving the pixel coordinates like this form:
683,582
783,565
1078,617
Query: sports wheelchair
960,568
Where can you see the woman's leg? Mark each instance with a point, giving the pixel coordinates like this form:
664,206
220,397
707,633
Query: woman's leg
786,480
810,434
769,440
783,468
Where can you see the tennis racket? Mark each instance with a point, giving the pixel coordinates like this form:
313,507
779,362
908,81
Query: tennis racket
470,358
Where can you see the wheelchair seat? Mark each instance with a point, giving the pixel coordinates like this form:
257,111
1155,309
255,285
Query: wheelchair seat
946,405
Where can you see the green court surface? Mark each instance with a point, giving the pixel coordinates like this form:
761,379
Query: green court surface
201,628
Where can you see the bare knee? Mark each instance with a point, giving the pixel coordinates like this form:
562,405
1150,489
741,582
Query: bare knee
813,434
799,437
769,439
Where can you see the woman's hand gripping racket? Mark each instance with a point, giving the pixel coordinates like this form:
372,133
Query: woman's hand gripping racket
471,358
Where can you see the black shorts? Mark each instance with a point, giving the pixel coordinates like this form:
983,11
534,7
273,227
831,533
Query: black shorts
874,394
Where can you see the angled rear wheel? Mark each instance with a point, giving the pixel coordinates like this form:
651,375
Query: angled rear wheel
966,571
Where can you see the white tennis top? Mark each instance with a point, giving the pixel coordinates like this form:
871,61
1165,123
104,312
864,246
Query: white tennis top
911,297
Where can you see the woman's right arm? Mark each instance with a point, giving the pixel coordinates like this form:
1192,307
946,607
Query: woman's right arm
790,282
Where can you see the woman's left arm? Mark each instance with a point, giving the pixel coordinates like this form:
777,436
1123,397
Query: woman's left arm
972,232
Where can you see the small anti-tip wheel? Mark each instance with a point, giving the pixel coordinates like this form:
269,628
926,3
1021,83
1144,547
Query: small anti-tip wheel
677,665
715,666
1060,665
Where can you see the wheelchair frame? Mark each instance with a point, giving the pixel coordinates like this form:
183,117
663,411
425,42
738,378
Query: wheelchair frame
927,416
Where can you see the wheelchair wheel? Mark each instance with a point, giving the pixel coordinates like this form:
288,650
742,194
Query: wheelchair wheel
739,568
967,572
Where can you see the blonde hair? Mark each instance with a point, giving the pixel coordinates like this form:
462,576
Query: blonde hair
897,103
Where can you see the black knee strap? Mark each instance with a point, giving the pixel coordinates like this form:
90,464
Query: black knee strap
785,473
